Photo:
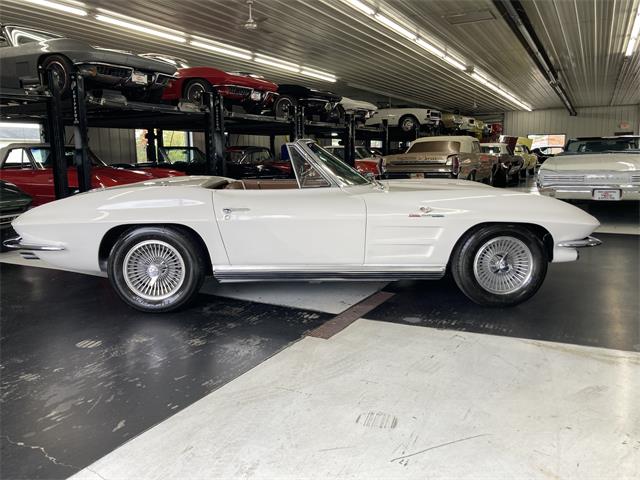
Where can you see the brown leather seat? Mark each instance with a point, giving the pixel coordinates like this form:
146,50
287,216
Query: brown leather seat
236,185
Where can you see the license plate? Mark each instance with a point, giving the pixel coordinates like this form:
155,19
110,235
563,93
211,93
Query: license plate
606,194
256,96
416,175
138,77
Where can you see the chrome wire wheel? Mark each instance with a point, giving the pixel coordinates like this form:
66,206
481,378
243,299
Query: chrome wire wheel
503,265
153,270
195,92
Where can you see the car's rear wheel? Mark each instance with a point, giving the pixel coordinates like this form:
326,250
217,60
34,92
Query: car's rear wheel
194,90
409,123
499,265
156,269
62,69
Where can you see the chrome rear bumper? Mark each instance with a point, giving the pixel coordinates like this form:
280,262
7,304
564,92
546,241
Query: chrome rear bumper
17,244
585,242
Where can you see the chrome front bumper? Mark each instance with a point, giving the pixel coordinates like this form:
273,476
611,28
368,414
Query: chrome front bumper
585,192
585,242
17,244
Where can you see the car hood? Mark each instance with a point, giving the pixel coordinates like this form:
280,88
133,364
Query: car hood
620,162
109,176
219,77
80,51
350,104
413,185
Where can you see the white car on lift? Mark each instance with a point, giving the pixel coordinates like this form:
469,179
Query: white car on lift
407,119
594,168
362,110
157,240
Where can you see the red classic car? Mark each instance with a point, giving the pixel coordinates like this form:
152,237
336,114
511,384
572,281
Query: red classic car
251,92
29,167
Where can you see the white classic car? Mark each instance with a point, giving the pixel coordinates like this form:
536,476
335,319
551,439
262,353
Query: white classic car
602,168
159,239
361,109
408,119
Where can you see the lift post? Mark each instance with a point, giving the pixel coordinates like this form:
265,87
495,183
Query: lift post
151,145
81,139
385,134
214,134
349,140
298,122
55,136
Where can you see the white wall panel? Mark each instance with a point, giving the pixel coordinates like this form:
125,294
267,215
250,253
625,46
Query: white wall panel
590,121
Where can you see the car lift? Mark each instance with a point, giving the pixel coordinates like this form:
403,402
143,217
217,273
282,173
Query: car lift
83,110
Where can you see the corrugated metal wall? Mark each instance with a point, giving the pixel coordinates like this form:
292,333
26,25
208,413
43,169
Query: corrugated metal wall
112,145
590,121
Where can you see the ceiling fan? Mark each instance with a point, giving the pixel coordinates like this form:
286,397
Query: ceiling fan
252,23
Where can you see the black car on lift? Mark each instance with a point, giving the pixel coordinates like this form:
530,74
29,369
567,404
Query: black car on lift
319,105
13,202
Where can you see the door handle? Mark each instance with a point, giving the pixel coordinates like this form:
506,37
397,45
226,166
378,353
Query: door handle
228,211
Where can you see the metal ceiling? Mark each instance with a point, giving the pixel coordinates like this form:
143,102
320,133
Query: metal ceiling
586,40
376,64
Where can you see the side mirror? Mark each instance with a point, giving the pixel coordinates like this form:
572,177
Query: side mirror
369,176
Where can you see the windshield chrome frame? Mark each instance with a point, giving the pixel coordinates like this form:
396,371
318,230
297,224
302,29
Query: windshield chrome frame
321,167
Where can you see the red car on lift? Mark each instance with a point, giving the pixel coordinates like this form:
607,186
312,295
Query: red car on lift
251,92
28,165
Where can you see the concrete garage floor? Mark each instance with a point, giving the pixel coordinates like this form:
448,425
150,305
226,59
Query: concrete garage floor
233,387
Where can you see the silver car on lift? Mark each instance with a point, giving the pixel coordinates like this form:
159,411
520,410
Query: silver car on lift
26,53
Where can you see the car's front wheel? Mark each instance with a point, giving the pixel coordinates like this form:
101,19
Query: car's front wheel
156,269
284,106
499,265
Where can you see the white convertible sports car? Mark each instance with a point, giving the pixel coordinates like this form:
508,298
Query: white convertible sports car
159,239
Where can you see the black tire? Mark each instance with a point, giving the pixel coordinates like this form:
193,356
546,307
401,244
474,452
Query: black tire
63,69
408,123
499,178
178,245
472,176
194,90
474,249
284,106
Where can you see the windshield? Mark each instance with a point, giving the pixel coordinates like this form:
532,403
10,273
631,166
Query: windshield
495,150
183,154
362,152
20,35
42,156
598,145
340,170
435,146
253,156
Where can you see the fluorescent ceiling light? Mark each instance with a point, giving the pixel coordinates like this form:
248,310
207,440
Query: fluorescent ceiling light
405,32
452,61
222,49
329,77
500,91
363,7
59,6
635,33
430,48
139,26
275,62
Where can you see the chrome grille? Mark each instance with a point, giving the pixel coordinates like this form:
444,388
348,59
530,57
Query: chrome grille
113,71
563,179
235,90
635,178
